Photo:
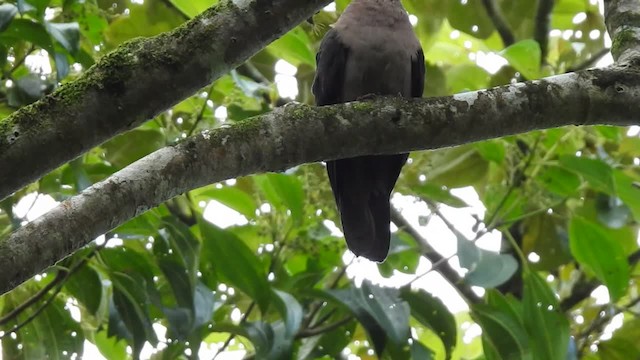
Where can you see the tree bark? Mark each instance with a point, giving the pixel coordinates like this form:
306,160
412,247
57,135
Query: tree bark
297,134
138,80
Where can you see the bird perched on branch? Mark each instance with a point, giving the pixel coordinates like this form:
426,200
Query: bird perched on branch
372,49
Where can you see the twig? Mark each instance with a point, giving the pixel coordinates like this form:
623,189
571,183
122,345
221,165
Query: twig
490,225
61,277
427,251
233,336
319,330
600,322
39,310
542,27
315,308
202,109
583,289
17,64
590,61
245,316
33,299
324,318
499,22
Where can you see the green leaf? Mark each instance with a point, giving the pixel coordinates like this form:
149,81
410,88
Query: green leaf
283,191
7,12
502,335
232,259
589,245
291,310
524,56
546,325
110,347
420,351
27,30
486,268
559,180
268,339
128,261
185,246
180,282
25,7
628,191
440,194
506,304
27,90
62,65
204,305
48,336
492,150
191,8
457,167
432,313
467,77
469,15
86,286
149,19
131,302
596,172
230,196
37,5
611,211
545,235
403,256
379,310
294,48
624,343
131,146
66,34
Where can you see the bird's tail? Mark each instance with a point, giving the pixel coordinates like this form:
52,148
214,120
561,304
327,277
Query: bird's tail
362,187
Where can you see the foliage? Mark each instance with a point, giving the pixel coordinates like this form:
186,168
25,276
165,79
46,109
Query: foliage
275,283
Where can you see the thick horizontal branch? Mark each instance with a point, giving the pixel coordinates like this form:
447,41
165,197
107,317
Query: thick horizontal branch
297,134
137,81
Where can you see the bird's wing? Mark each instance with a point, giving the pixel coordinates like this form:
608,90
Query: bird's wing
327,86
417,73
331,63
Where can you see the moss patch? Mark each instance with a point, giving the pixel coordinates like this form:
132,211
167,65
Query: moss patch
623,40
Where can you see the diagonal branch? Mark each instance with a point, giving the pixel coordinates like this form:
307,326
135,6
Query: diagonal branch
297,134
500,23
122,89
543,26
446,270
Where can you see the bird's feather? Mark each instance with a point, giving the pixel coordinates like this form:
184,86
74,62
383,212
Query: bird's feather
362,185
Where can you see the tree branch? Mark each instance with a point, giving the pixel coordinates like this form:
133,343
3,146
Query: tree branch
298,134
323,329
590,62
448,272
543,26
622,18
584,287
121,90
499,22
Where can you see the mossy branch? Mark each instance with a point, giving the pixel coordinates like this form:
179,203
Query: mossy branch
622,18
297,134
138,80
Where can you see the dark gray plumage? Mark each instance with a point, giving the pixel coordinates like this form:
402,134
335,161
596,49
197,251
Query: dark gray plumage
372,49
